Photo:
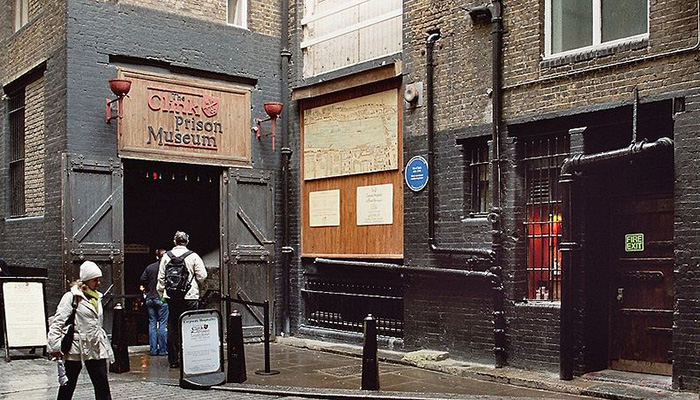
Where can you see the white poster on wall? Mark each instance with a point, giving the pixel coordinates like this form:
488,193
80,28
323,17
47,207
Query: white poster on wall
25,314
375,205
324,208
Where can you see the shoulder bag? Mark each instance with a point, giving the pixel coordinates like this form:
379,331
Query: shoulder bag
67,341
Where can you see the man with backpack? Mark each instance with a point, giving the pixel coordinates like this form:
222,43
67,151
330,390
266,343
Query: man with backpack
180,273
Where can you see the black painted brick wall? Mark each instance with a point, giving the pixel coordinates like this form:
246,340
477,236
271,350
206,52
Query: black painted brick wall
686,335
450,313
537,345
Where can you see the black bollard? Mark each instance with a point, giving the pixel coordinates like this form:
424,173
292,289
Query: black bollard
236,353
370,366
120,344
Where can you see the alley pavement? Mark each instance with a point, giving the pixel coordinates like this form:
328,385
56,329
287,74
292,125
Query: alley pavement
321,370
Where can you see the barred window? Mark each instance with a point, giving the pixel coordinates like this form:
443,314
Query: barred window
543,157
476,154
16,116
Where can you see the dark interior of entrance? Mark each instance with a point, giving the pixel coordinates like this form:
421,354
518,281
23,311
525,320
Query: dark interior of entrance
159,199
605,191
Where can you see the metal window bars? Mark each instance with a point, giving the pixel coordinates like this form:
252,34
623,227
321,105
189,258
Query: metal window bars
16,105
479,177
543,156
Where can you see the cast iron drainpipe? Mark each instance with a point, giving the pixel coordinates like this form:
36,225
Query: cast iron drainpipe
494,254
432,242
286,153
570,246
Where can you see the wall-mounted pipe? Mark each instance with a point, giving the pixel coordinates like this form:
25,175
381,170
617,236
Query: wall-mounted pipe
495,215
493,254
286,153
570,245
430,122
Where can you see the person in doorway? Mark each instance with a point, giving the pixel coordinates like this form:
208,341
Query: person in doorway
90,342
183,297
157,308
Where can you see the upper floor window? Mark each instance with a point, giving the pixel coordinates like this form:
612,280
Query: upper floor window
21,10
237,13
574,25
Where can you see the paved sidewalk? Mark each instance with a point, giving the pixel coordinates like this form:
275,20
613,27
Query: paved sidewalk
605,384
323,370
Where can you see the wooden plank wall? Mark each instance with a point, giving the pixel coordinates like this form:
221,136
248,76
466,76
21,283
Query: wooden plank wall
340,33
350,240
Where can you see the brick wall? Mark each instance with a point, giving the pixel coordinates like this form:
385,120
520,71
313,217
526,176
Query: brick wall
539,90
35,242
263,16
449,313
537,86
686,335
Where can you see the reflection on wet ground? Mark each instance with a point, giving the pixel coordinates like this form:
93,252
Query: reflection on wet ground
28,379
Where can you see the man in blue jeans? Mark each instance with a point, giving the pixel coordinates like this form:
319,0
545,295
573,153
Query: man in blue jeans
157,309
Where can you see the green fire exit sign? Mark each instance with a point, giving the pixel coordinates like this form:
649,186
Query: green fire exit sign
634,242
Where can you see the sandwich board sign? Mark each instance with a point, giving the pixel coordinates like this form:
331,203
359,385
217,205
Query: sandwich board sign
202,349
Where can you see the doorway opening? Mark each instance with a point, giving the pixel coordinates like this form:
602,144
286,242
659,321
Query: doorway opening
159,199
628,255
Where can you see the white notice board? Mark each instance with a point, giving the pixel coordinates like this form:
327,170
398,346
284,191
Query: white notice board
201,342
25,313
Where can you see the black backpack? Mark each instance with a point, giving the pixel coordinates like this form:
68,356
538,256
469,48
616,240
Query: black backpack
177,276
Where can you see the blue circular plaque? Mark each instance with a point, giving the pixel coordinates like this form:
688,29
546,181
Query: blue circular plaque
416,173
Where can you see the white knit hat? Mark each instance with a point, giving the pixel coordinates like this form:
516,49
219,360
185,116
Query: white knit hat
89,270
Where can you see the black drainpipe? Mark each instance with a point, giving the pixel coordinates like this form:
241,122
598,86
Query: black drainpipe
495,253
286,152
570,244
432,241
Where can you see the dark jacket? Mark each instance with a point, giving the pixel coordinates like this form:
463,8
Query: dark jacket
149,280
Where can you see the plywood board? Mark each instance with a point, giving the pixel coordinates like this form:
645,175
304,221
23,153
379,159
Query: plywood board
378,235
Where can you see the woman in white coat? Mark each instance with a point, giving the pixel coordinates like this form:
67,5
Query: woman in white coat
90,342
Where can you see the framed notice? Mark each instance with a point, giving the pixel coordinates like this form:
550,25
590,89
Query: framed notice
202,349
324,208
375,205
24,313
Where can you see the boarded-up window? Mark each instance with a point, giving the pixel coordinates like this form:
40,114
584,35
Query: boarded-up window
341,33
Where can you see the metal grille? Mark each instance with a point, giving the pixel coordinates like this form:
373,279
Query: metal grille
344,305
479,176
543,157
16,117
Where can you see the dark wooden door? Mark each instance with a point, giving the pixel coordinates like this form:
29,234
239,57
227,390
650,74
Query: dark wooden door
93,222
249,239
642,295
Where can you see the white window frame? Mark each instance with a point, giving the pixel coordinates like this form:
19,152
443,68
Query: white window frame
597,32
21,11
242,10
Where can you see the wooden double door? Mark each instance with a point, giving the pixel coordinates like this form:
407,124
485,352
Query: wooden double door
642,287
93,229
